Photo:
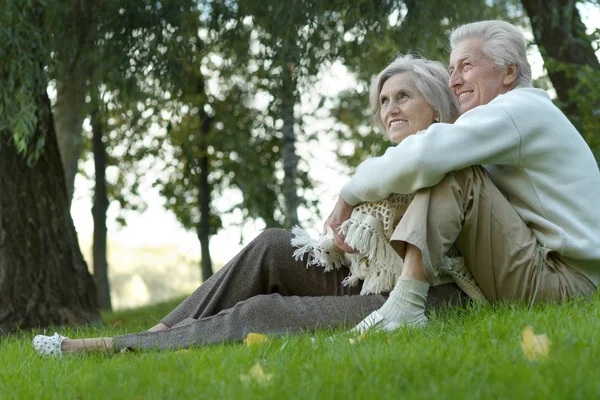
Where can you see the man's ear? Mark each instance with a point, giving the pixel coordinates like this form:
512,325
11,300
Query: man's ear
510,75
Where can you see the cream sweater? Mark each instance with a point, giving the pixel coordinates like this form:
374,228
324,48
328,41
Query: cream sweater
534,155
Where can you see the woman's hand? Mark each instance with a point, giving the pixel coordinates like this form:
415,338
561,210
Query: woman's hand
341,213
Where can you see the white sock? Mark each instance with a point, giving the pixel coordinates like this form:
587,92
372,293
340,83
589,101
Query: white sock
406,304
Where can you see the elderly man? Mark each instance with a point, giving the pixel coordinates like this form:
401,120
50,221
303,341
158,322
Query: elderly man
526,223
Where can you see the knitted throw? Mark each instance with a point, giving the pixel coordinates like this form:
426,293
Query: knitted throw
377,264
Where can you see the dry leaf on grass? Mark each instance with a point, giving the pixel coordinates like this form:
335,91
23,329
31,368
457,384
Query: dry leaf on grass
257,375
535,347
255,338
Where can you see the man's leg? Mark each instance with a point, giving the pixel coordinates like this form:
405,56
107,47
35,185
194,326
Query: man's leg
501,252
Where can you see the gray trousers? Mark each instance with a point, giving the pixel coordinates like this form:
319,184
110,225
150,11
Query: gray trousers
264,290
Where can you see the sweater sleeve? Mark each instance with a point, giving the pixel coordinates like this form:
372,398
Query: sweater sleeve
483,135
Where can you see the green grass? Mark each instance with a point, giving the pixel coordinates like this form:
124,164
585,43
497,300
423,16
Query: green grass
467,354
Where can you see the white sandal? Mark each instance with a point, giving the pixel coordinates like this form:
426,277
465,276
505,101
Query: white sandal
49,346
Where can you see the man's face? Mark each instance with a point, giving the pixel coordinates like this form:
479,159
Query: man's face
474,78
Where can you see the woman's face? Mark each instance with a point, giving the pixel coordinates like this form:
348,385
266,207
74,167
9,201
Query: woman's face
404,110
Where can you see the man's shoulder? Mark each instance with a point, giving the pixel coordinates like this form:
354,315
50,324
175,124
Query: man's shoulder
523,94
526,102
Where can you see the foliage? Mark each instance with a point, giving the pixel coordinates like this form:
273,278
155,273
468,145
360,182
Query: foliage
210,116
474,353
246,47
123,50
585,97
412,26
23,76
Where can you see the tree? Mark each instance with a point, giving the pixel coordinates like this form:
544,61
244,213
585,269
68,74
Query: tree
295,41
44,279
411,26
571,61
99,208
108,47
97,43
208,130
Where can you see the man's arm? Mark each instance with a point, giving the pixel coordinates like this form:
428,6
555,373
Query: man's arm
484,135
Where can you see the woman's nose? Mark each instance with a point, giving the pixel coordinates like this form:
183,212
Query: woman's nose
393,108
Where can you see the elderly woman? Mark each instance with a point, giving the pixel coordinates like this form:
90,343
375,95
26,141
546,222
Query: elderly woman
527,224
263,289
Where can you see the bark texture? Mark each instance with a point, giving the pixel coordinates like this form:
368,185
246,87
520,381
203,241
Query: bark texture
560,34
99,209
290,162
70,111
204,203
44,279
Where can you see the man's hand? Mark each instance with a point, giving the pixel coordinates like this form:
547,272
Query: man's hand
341,212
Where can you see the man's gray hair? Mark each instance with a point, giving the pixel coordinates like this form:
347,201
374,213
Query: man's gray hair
430,78
502,42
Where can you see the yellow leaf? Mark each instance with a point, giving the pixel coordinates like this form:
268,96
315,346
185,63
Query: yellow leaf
256,374
359,338
535,347
255,338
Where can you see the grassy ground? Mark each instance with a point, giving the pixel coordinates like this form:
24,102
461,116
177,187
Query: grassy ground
469,354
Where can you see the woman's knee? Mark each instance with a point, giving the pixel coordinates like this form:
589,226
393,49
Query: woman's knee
275,238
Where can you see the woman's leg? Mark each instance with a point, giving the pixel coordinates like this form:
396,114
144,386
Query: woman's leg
271,314
265,266
499,249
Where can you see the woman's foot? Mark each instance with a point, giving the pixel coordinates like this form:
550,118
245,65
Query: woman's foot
57,345
49,346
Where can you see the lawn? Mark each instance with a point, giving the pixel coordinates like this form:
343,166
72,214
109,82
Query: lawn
466,354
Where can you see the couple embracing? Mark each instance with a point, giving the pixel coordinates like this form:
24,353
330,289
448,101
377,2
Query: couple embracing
489,190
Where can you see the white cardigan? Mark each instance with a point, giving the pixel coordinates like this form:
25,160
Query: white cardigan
534,155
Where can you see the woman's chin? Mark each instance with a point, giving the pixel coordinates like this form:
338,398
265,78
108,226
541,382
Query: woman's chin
397,137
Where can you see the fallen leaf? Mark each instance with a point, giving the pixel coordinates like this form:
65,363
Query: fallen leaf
256,374
255,338
359,338
535,347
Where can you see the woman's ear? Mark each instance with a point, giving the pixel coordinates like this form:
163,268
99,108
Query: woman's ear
511,73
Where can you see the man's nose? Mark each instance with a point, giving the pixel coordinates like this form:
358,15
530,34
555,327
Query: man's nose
455,79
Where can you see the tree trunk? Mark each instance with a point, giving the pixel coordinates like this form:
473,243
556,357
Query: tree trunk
290,163
99,209
204,187
70,111
44,279
74,70
204,224
560,34
204,193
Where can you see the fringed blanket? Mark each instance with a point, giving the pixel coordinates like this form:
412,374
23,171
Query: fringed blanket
377,264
